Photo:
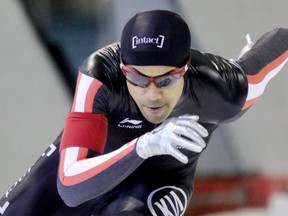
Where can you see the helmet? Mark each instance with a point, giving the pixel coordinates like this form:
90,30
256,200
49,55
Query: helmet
156,37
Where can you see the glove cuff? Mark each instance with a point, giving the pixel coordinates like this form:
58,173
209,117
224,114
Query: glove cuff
142,146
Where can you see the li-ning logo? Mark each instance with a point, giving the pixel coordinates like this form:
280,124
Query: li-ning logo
158,41
131,124
167,200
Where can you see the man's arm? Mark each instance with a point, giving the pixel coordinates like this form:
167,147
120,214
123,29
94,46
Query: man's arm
82,178
263,61
83,172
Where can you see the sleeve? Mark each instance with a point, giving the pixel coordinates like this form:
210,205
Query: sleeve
264,61
84,171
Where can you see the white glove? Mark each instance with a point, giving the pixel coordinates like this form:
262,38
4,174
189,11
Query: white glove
183,131
247,47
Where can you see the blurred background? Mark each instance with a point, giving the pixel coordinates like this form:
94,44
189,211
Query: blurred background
42,44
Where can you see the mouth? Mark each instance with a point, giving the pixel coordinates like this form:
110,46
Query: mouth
154,109
155,114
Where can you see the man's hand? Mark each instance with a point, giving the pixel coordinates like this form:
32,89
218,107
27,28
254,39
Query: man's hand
183,131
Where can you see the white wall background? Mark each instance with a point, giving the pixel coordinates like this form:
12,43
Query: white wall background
34,103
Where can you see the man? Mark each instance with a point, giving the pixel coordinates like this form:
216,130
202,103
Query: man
141,116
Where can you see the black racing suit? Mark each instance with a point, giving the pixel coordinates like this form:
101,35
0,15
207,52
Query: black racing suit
215,89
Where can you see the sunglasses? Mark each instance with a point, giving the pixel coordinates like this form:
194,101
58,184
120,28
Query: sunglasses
169,79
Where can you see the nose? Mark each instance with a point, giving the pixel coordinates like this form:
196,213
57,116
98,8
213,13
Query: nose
153,93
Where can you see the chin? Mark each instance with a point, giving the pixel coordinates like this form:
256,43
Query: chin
155,119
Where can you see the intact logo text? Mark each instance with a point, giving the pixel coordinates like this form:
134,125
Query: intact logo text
158,41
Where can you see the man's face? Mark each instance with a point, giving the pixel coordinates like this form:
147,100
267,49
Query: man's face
155,104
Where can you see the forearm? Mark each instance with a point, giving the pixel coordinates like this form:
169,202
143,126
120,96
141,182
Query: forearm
81,179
